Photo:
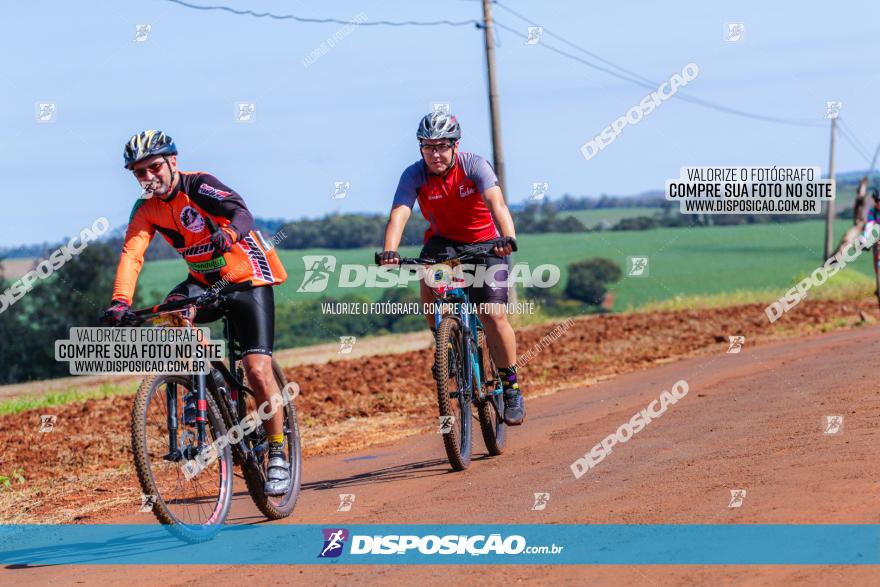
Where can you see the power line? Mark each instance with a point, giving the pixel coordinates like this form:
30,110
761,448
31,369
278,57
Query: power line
848,138
637,79
627,75
854,141
578,47
398,23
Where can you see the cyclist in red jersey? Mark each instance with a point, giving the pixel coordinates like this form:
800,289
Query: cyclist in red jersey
459,196
178,205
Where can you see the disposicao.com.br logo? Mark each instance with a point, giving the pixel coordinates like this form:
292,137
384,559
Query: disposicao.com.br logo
320,269
431,544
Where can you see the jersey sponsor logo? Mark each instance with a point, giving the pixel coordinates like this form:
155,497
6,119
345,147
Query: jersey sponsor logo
209,190
259,262
207,266
435,196
465,191
191,219
196,250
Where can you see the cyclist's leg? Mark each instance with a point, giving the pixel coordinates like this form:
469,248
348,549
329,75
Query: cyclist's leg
490,299
499,333
252,313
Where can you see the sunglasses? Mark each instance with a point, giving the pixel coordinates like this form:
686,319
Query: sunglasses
441,148
154,169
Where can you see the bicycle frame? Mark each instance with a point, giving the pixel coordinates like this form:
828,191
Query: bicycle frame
471,325
227,390
470,322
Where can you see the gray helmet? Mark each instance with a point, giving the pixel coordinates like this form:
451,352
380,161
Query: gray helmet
438,125
146,144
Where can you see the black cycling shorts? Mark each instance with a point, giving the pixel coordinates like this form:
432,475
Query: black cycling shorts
488,292
251,313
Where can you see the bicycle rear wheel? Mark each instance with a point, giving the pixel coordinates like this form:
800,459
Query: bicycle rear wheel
273,507
453,395
490,411
193,509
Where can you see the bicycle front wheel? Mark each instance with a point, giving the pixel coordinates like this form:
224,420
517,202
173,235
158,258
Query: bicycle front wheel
255,471
193,508
453,395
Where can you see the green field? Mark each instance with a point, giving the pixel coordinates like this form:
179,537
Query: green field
591,218
682,261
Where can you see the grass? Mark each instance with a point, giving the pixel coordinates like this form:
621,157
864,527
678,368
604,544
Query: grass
591,218
16,476
846,285
683,262
60,398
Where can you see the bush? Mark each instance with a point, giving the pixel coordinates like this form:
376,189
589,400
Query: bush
637,223
588,280
74,295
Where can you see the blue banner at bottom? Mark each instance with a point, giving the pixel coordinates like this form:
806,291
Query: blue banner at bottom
284,544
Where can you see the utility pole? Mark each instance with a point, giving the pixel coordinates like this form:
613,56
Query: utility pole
494,113
829,211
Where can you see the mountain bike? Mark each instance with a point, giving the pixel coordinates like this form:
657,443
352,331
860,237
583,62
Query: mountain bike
165,438
466,376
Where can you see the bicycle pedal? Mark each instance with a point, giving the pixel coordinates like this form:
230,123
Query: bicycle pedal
172,457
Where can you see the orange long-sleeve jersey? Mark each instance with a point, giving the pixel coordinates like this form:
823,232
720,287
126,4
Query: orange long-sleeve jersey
180,218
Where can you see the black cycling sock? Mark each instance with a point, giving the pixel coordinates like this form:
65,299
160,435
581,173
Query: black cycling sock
508,377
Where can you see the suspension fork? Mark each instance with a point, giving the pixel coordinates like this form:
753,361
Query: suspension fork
198,381
230,351
171,403
469,332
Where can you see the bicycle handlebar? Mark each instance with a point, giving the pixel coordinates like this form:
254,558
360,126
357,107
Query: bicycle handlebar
136,317
466,253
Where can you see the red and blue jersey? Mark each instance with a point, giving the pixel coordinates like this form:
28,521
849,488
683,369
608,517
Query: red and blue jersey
452,204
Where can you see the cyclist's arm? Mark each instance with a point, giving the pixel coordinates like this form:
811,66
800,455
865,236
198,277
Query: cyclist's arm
394,229
221,201
137,238
404,199
500,212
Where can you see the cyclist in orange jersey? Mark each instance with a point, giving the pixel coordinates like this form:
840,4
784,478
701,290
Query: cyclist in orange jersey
182,206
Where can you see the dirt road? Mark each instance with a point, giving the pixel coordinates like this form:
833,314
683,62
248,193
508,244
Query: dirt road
752,421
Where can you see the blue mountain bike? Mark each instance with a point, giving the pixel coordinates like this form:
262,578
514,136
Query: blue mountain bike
468,384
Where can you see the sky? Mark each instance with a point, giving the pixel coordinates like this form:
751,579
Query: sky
351,114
